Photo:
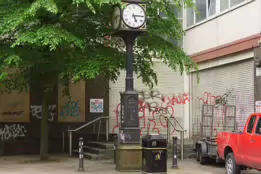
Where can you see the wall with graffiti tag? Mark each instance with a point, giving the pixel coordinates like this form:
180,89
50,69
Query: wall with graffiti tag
221,87
165,100
72,109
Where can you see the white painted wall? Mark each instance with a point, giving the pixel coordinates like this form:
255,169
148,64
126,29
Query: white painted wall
231,26
170,87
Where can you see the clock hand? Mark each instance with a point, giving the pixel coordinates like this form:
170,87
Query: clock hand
134,17
138,16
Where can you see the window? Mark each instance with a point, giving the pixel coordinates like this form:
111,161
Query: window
251,124
224,5
212,6
258,127
190,17
202,9
235,2
179,13
208,8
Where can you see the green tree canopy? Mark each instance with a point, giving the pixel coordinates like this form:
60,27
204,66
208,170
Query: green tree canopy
43,39
65,37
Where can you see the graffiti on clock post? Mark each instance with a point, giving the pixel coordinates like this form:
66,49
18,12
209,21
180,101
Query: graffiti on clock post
12,131
153,108
36,111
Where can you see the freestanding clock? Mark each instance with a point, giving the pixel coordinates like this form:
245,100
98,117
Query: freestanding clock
129,21
129,16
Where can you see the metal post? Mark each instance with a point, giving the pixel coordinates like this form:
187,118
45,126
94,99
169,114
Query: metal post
148,130
107,129
70,143
182,144
81,159
94,127
174,153
99,129
63,142
168,131
115,147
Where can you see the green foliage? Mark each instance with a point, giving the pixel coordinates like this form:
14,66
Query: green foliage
43,38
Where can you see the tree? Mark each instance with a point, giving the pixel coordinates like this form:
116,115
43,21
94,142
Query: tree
41,40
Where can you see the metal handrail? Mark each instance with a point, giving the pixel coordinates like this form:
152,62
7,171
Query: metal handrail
89,123
85,125
182,130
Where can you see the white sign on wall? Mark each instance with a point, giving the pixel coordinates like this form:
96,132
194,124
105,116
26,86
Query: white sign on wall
96,105
258,71
258,106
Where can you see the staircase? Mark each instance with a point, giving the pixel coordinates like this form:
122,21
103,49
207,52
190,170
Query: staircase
97,150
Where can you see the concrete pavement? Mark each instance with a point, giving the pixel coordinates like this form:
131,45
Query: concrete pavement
67,165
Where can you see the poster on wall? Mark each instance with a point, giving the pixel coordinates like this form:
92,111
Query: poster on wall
14,107
258,72
72,109
96,105
258,106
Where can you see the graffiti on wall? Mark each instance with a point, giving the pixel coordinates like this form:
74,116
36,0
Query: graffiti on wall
14,107
244,106
12,131
72,109
36,111
153,108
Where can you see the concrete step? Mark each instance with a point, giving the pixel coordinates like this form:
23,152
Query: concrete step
97,150
100,145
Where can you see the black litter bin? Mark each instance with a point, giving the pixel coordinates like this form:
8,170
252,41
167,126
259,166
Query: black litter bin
154,154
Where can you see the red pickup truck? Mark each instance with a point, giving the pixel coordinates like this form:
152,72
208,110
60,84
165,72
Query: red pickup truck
242,150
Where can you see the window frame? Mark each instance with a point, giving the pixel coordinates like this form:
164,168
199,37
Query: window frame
181,42
253,128
259,119
217,14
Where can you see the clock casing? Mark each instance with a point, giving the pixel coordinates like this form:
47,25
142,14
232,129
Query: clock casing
131,16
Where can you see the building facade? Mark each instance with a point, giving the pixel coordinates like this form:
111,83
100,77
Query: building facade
223,40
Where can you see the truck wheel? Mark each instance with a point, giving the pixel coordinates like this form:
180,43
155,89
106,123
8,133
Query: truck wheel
231,166
202,160
197,153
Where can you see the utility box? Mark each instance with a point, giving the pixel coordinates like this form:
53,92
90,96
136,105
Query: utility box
154,154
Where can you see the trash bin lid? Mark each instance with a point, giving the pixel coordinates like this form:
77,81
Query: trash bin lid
154,137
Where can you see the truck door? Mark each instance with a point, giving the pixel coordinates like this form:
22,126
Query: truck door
256,145
248,152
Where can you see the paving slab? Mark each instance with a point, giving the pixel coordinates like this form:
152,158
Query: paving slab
68,165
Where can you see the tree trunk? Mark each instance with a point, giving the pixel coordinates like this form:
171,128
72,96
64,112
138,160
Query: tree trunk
44,125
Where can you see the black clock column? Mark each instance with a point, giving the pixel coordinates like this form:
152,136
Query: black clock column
129,149
128,154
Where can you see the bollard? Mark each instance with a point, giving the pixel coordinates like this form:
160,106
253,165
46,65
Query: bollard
115,147
174,153
81,159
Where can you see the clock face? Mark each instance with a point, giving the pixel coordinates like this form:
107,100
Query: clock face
116,17
134,16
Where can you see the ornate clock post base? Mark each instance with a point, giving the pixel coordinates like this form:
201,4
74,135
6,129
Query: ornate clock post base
129,158
129,155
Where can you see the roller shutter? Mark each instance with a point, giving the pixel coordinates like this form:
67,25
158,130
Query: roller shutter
230,84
